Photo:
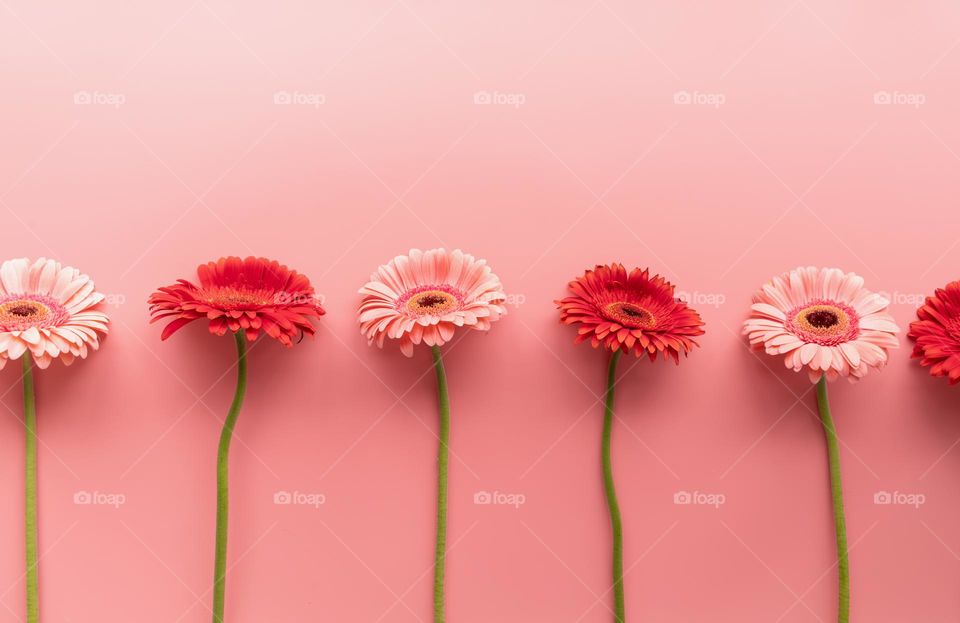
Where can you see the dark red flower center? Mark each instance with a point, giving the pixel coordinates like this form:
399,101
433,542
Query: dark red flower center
822,318
629,315
23,310
431,300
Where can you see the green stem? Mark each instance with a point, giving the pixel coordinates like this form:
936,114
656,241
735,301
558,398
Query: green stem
836,488
614,507
443,460
30,423
223,461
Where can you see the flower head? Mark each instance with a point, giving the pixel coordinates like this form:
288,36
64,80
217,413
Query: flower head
49,310
936,333
426,295
630,312
248,295
824,319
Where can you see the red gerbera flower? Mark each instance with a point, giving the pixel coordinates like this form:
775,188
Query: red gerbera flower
937,333
630,312
251,294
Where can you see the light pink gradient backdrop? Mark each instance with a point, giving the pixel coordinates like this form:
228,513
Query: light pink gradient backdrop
598,163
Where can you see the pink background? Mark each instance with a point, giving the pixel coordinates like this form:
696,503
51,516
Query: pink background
140,139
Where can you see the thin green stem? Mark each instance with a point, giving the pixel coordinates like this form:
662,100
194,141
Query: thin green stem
223,461
615,520
836,488
30,423
443,460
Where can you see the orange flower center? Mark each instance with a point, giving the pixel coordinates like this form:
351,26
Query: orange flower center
823,319
434,302
824,322
630,315
19,314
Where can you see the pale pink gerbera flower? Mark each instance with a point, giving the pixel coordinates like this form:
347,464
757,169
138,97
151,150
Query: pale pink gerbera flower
824,319
426,295
47,309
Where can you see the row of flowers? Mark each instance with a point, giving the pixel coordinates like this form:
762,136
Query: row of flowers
823,321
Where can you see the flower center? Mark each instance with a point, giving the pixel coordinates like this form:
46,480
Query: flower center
822,318
824,322
629,315
23,312
233,298
435,302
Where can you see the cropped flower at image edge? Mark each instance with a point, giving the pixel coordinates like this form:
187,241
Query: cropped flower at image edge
48,309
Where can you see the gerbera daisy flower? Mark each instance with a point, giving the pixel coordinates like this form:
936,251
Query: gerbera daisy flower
626,313
630,312
245,297
250,295
422,298
936,333
49,310
426,295
824,319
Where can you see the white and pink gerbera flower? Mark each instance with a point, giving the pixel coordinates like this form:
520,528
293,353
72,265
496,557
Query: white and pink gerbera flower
426,295
824,319
47,309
